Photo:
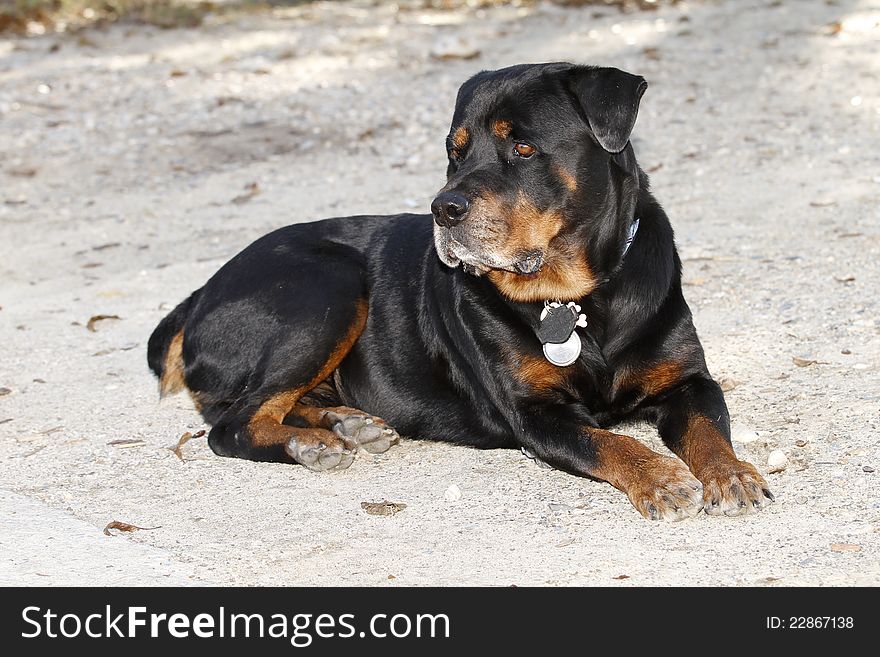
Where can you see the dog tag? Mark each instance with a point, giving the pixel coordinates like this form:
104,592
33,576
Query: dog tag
565,353
557,324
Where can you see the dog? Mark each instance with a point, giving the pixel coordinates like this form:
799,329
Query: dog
539,304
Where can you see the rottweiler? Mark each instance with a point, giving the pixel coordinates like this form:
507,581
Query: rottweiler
539,304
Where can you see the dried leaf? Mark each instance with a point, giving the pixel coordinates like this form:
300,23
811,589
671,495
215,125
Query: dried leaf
33,451
38,435
127,442
22,172
108,245
621,577
383,508
844,279
184,439
250,190
91,325
123,527
803,362
845,547
833,29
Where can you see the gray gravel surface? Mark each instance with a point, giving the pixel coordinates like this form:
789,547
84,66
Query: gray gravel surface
128,158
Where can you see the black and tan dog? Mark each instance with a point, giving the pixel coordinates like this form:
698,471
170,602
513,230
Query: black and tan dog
295,346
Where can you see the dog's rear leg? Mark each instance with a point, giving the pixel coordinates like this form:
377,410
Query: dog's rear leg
255,429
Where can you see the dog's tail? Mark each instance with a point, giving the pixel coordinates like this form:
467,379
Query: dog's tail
165,348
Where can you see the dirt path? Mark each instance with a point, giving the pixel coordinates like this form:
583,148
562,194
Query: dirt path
127,159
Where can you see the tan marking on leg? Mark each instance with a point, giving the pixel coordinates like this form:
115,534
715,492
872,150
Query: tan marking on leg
651,380
730,486
172,380
541,375
703,444
660,487
370,433
619,459
316,417
264,431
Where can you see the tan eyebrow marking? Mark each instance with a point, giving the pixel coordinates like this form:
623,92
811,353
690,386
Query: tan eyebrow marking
502,128
461,137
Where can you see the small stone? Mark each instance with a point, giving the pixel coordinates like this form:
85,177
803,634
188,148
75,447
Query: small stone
777,461
867,468
743,435
452,494
454,47
845,352
559,507
800,443
727,384
845,547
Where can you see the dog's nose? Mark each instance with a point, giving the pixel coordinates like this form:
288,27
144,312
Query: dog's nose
449,209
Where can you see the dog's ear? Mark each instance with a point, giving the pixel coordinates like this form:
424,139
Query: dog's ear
610,99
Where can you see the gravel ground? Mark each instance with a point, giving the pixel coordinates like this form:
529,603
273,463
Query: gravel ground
134,162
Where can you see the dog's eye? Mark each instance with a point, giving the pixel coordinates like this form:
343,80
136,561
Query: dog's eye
523,150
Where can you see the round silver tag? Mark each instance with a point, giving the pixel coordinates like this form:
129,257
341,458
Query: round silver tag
563,353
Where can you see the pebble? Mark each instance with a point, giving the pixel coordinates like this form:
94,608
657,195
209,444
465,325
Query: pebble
727,384
867,468
777,461
743,435
452,494
454,47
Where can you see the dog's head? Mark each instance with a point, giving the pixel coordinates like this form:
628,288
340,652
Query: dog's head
541,182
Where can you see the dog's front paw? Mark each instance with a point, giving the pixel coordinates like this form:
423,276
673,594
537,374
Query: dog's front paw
665,490
733,488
